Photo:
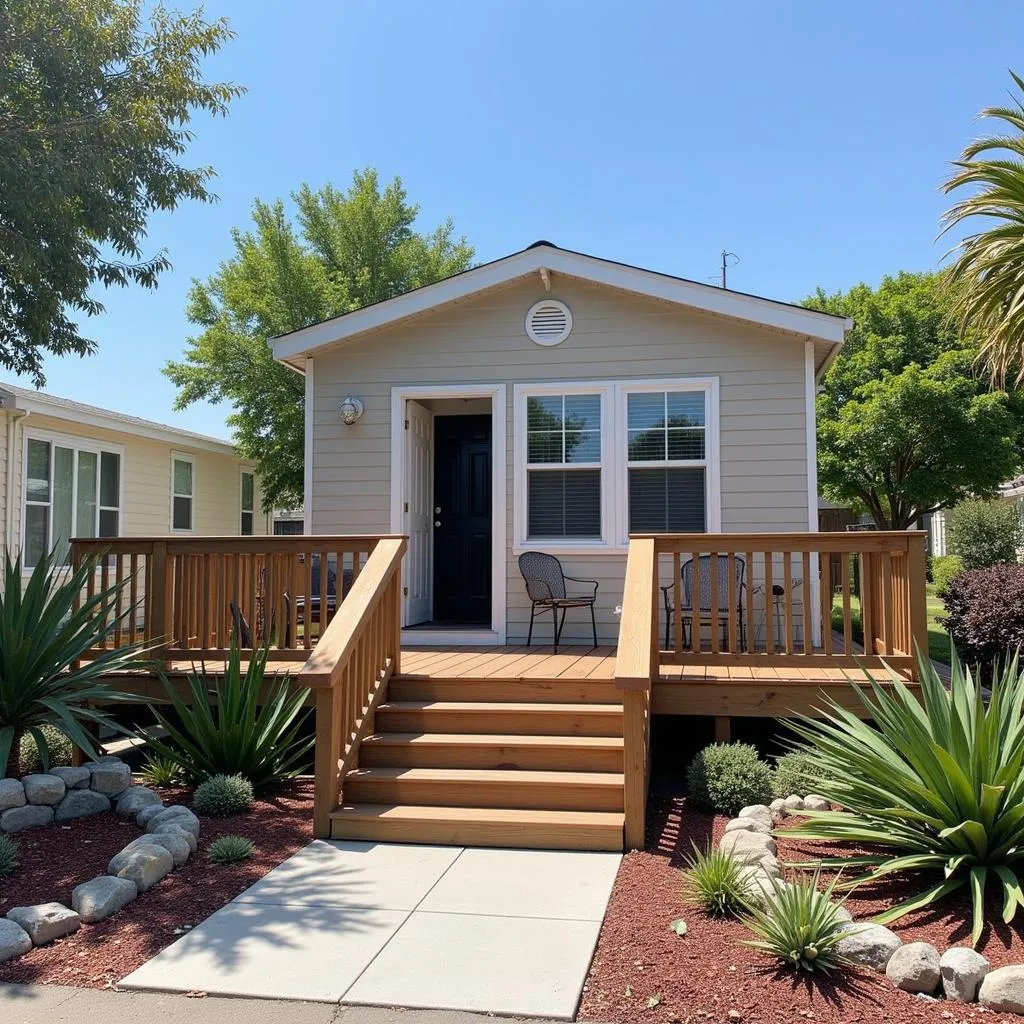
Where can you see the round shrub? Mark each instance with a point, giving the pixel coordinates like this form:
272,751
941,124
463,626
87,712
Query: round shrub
60,747
8,855
944,568
984,533
231,849
795,772
727,776
985,613
223,795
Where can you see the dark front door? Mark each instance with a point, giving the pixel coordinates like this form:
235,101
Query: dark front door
462,520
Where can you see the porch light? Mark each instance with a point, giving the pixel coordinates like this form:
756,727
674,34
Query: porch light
351,410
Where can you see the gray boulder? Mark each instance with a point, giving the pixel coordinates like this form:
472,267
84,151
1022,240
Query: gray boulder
747,847
770,865
102,896
12,794
74,778
14,819
134,799
80,803
14,940
44,789
174,830
176,814
45,921
176,841
111,777
793,804
747,825
759,812
815,803
143,817
778,807
868,945
962,971
145,864
842,914
915,968
1003,989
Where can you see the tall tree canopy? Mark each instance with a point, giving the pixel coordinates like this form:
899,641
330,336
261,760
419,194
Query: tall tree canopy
94,114
905,426
348,249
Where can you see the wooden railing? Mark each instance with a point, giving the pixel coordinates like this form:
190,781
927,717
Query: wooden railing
185,596
349,670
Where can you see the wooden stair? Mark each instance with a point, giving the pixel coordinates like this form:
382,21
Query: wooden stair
483,762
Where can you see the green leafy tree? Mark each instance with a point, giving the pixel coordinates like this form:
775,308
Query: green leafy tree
348,249
905,425
94,114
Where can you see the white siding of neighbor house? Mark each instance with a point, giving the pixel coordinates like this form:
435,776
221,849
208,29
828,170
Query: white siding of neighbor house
616,336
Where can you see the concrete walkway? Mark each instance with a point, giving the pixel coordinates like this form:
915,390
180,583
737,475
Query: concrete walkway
491,931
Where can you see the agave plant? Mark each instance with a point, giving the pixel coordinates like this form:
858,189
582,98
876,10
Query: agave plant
252,728
938,785
716,882
42,638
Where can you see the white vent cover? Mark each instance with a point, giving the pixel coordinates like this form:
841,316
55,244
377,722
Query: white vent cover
548,322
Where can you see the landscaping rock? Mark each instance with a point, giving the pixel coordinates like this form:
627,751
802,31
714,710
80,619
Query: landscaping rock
869,945
80,803
747,847
111,777
842,914
815,803
1003,989
134,799
102,896
778,807
770,865
144,816
793,803
74,778
44,789
962,971
145,864
14,940
759,812
915,968
12,794
760,886
14,819
176,841
172,828
746,825
177,814
45,921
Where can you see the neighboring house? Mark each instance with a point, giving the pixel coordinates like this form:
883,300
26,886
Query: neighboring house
1011,490
73,470
554,401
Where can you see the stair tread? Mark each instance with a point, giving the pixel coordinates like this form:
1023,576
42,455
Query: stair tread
416,812
465,776
502,706
495,740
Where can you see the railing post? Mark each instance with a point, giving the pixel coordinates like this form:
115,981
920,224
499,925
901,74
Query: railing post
917,595
396,622
327,760
159,605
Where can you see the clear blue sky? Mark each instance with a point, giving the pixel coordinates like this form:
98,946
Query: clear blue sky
808,137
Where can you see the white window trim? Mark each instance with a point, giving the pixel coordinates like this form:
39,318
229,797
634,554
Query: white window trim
614,469
184,457
79,444
242,472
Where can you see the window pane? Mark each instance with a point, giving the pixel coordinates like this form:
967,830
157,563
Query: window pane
110,480
544,412
686,444
666,500
63,487
564,503
645,410
582,446
686,408
37,475
36,541
583,412
247,518
182,519
109,523
544,447
85,514
248,491
647,445
182,477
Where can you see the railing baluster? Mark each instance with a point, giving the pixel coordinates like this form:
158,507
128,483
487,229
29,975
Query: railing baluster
731,598
696,632
769,602
826,602
713,601
808,602
847,612
787,597
677,602
749,582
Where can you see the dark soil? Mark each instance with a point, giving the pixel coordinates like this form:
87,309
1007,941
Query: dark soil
55,858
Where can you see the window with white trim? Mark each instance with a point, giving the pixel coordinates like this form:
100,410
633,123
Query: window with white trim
248,503
71,490
183,484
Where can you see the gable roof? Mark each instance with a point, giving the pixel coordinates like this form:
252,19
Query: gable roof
292,348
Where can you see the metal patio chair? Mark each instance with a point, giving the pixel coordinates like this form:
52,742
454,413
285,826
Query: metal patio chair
545,586
704,609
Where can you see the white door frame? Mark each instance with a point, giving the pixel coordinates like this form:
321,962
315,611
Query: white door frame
499,485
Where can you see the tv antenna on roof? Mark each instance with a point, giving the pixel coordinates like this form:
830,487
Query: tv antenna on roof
726,256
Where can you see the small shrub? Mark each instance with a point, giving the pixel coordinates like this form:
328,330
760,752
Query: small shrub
223,795
984,533
799,925
727,776
60,748
158,770
795,772
715,882
8,855
985,613
231,849
944,568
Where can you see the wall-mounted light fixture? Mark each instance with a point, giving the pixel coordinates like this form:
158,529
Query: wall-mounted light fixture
351,410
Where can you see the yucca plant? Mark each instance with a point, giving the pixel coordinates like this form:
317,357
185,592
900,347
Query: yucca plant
801,925
715,881
158,770
231,849
937,785
42,635
253,728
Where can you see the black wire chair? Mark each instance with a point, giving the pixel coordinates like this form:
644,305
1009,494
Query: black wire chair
545,586
686,572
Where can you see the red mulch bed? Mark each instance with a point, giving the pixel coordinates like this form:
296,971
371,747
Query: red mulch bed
54,859
709,976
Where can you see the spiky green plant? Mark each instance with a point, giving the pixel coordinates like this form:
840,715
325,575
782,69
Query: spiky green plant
230,849
8,855
158,770
222,795
800,925
937,785
42,636
236,724
715,881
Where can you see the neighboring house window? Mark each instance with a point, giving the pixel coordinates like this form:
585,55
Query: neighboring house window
248,503
71,490
183,483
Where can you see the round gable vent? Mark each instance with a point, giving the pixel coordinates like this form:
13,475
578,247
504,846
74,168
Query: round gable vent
548,322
